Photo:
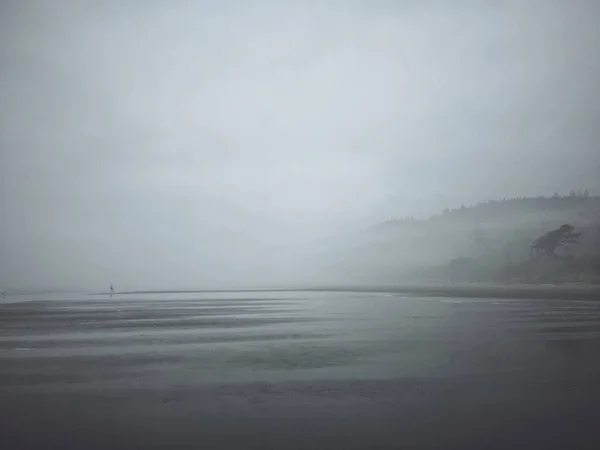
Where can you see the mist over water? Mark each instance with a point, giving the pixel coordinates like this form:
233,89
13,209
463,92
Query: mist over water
200,144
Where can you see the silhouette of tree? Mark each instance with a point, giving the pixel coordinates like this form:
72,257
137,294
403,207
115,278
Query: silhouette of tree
546,245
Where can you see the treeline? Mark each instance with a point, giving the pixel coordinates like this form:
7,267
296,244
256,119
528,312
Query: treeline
525,240
530,204
582,201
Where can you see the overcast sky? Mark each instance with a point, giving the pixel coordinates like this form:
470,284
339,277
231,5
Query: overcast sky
171,142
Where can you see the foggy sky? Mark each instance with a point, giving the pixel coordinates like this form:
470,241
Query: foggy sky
151,144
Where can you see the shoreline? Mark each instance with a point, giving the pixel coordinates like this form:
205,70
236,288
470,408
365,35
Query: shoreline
562,291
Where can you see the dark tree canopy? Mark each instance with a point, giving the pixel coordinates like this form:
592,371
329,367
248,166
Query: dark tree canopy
545,245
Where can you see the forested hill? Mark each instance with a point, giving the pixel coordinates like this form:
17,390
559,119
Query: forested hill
576,206
489,241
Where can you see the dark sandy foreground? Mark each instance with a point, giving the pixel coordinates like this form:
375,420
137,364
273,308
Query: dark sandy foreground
299,370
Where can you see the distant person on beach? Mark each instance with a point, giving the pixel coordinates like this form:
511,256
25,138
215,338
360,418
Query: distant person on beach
112,289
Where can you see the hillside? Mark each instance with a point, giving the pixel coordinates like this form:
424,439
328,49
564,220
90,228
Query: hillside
489,241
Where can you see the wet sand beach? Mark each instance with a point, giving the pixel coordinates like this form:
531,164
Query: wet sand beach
300,370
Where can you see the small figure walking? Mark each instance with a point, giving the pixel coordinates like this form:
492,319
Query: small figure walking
112,290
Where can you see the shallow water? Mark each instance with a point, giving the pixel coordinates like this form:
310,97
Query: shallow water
232,359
